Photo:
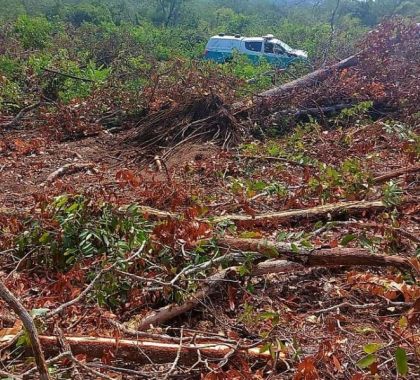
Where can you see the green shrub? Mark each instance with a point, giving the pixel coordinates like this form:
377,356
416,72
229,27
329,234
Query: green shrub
33,32
10,92
88,13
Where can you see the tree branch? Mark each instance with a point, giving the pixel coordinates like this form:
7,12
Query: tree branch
29,325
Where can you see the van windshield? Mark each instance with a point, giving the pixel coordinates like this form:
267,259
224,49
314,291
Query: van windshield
284,45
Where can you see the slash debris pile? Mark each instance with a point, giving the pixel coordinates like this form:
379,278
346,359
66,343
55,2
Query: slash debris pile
194,120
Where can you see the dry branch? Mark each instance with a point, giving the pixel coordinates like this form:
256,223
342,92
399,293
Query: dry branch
56,72
396,173
291,260
67,349
140,350
29,325
87,290
21,114
198,119
70,168
157,213
171,311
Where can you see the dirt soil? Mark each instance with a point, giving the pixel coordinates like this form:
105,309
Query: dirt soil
326,315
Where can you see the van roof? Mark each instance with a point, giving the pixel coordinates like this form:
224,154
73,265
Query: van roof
227,37
248,39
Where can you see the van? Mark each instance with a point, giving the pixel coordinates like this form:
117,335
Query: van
220,49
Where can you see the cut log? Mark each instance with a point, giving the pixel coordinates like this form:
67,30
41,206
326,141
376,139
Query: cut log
318,257
333,208
141,351
311,79
396,173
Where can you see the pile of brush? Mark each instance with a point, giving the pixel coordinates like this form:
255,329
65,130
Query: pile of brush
198,119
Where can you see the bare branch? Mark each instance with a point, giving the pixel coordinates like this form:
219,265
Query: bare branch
29,325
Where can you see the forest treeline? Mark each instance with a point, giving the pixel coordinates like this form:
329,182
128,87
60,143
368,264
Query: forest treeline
100,39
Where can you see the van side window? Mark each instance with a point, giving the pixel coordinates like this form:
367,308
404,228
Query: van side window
269,48
278,49
253,45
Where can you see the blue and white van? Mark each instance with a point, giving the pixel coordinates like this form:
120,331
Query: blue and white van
220,49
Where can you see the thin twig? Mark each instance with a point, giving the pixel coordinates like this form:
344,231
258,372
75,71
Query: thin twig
346,304
90,370
124,370
10,375
63,355
178,354
67,75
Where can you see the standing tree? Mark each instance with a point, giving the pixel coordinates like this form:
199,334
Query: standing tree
170,10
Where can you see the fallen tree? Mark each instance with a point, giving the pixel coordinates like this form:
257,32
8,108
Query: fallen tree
329,257
287,260
396,173
208,118
312,78
141,350
333,208
352,207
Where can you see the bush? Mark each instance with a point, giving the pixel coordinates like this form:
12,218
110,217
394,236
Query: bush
33,32
88,13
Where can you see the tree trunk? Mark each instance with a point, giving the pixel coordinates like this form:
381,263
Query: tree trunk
141,350
318,257
311,79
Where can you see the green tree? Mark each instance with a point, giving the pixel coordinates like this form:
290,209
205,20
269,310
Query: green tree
168,12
